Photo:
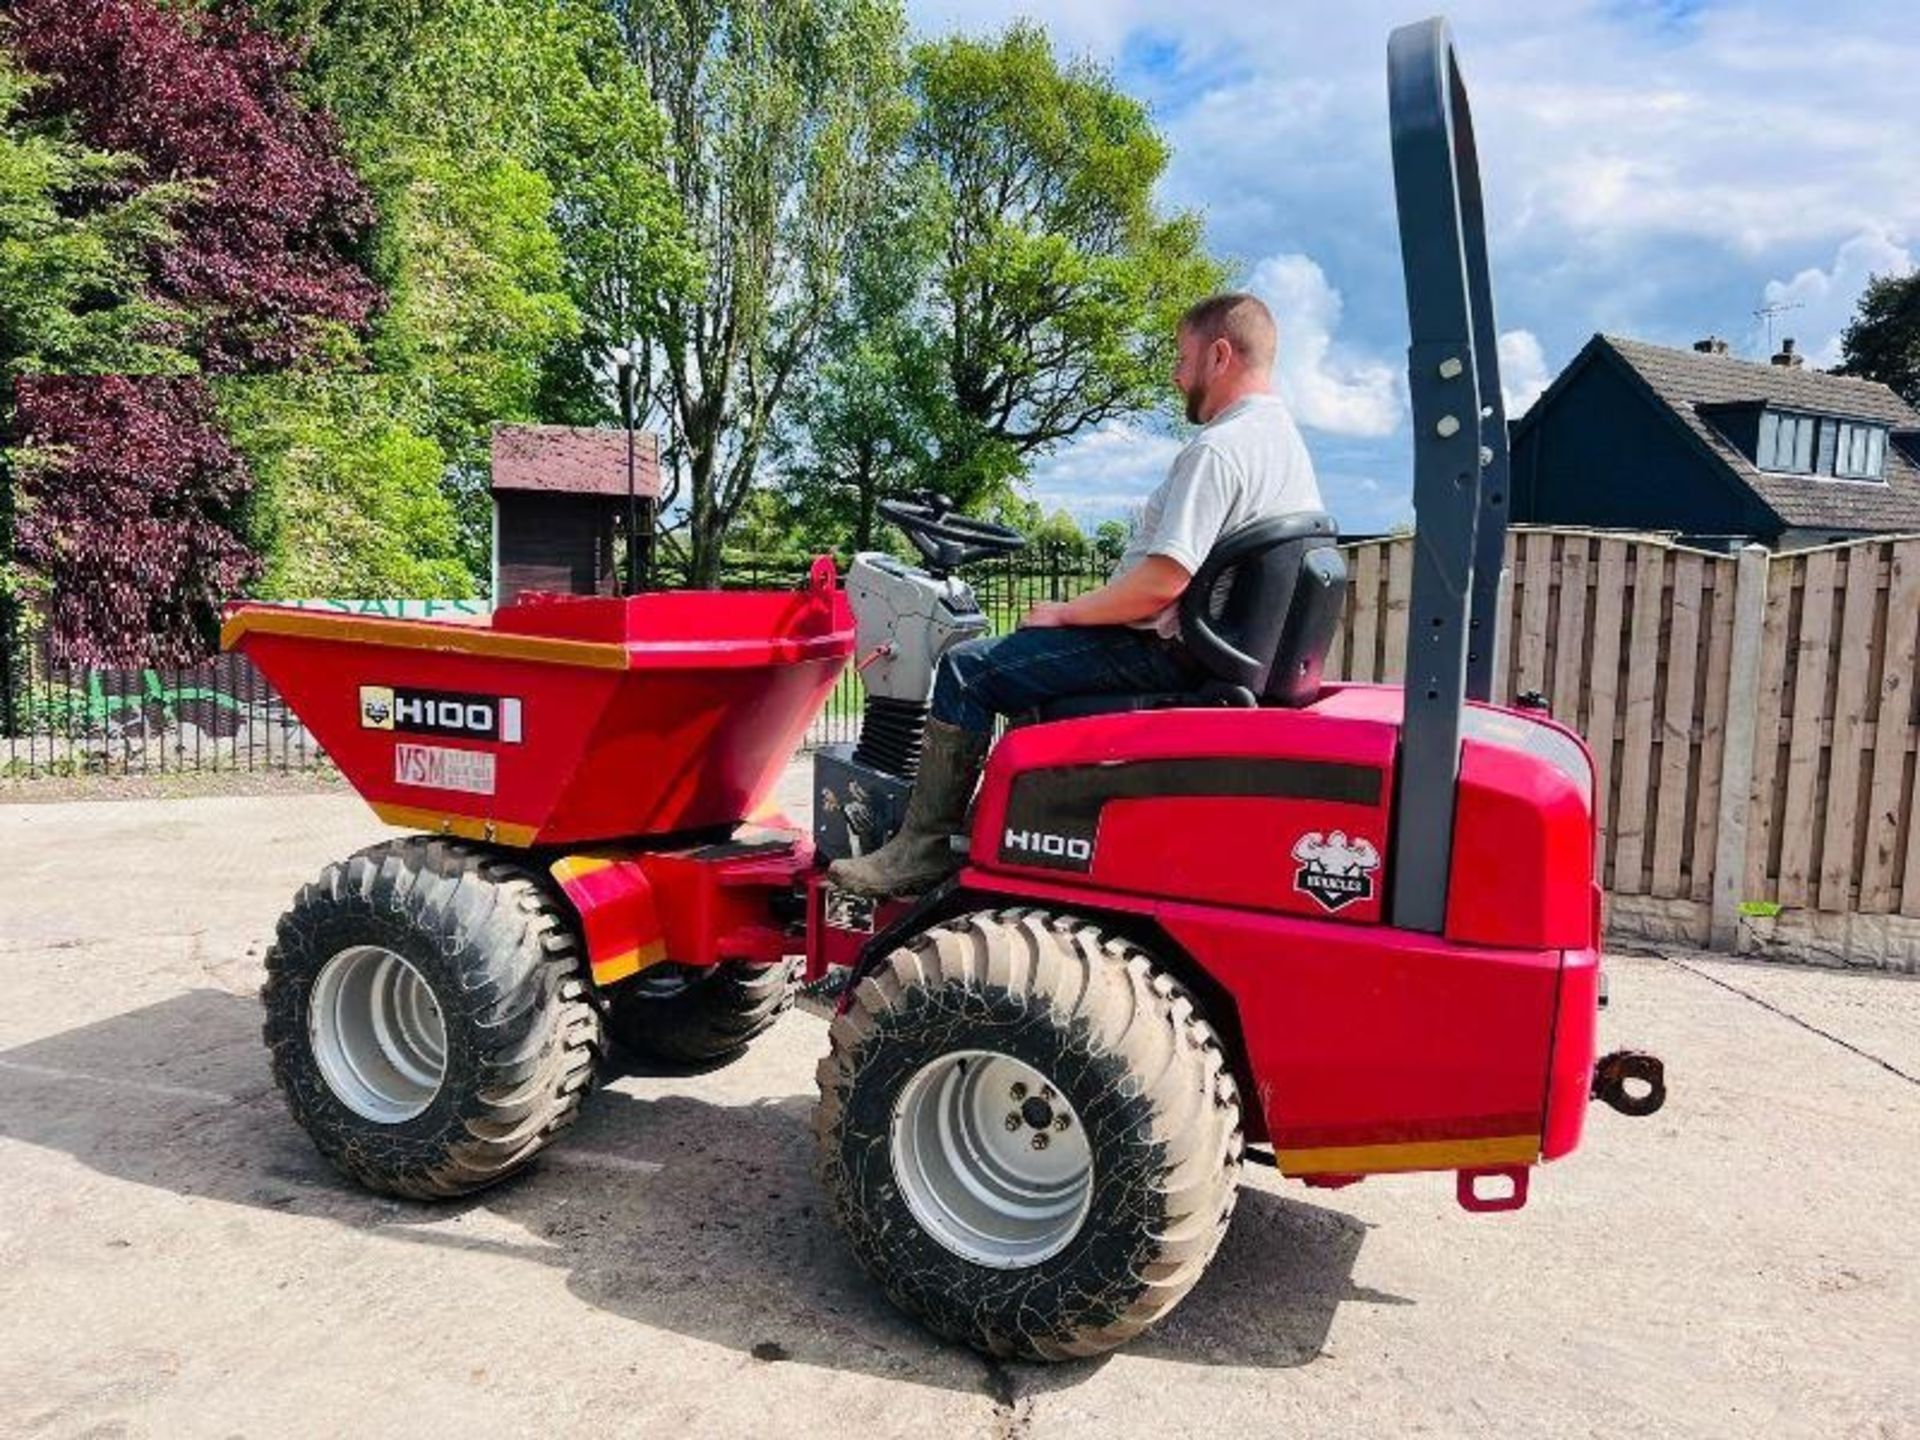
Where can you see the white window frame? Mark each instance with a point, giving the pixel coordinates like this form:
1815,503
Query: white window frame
1860,452
1767,448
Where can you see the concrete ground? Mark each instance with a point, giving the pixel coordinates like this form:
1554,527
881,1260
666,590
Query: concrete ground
176,1261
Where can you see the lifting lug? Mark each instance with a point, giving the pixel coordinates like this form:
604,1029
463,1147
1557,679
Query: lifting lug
1613,1074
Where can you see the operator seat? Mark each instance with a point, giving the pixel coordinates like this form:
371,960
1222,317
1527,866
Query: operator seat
1258,617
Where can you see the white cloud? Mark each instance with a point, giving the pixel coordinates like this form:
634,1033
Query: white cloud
1523,371
1328,388
1105,472
1823,301
1652,170
1741,122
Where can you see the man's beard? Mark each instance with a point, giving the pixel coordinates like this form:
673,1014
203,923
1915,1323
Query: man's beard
1196,397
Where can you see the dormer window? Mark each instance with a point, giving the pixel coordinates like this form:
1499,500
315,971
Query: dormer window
1860,452
1786,443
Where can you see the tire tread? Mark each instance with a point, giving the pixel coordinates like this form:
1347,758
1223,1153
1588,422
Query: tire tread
1134,1011
522,979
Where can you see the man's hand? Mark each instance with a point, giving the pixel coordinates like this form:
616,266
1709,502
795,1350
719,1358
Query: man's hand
1046,615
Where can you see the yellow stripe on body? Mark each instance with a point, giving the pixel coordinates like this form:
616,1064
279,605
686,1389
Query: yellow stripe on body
467,827
628,962
1414,1155
575,867
423,635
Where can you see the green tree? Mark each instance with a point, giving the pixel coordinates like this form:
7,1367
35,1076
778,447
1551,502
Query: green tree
76,232
1110,539
349,501
540,92
865,418
1883,341
1059,281
477,307
782,121
513,151
1060,533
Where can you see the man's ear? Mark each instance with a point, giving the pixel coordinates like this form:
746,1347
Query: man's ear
1222,352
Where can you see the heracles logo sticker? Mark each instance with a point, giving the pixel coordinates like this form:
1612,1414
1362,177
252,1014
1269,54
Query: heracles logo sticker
440,712
1334,870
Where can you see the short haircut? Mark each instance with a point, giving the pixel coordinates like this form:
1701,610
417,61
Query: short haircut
1242,320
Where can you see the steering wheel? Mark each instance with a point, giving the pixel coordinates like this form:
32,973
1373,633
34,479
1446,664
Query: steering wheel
944,537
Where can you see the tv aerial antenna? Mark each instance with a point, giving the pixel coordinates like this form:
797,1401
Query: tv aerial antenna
1777,307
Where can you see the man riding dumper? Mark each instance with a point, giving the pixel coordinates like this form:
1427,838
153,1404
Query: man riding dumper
1248,463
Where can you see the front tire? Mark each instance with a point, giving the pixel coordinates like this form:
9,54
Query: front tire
930,1133
428,1017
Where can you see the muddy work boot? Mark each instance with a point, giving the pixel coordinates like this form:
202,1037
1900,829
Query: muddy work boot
921,854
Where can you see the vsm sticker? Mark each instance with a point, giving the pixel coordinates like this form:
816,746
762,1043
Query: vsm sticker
440,712
439,768
1334,870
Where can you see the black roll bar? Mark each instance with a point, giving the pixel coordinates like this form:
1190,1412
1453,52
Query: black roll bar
1459,454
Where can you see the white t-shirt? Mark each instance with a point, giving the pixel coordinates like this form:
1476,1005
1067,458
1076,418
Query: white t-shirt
1247,463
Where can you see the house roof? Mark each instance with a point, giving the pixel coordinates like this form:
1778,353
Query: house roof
573,460
1687,380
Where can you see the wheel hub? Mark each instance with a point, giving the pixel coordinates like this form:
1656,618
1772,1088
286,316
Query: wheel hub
991,1159
377,1034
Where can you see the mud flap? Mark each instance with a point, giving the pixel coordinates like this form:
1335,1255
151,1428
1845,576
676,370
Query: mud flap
619,924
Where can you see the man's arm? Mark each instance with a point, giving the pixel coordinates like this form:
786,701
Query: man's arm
1141,593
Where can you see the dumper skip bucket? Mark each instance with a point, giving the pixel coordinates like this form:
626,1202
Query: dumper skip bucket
563,720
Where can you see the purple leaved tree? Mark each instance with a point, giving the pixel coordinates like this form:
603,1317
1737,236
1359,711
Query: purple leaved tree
271,248
128,496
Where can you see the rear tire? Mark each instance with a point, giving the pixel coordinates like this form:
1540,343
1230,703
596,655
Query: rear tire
429,1018
940,1181
696,1015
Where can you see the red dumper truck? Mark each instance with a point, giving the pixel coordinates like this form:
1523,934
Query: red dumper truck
1341,930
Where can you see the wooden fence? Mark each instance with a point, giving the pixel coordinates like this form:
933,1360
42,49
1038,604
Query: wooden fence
1752,718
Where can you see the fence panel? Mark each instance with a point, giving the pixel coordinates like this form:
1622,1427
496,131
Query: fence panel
1856,659
1535,600
1603,679
1679,715
1399,562
1888,822
1568,692
1768,798
1637,756
1714,698
1819,580
1364,661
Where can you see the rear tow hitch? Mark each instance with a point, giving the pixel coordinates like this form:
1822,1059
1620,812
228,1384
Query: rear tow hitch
1631,1082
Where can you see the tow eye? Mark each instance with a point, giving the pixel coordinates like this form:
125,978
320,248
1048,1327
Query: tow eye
1631,1082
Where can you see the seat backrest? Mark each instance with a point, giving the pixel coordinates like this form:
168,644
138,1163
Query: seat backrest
1262,610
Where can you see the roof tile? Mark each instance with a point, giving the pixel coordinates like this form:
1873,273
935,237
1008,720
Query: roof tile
573,460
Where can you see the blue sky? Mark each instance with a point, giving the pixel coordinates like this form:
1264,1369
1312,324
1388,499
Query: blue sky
1657,169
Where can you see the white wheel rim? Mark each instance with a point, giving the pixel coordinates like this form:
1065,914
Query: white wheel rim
377,1034
992,1159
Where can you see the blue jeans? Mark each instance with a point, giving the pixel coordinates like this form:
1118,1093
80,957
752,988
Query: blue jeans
1008,674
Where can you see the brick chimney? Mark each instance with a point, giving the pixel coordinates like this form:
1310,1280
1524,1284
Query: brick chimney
1788,358
1712,345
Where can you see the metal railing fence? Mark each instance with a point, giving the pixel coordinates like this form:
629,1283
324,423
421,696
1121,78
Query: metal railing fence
221,714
